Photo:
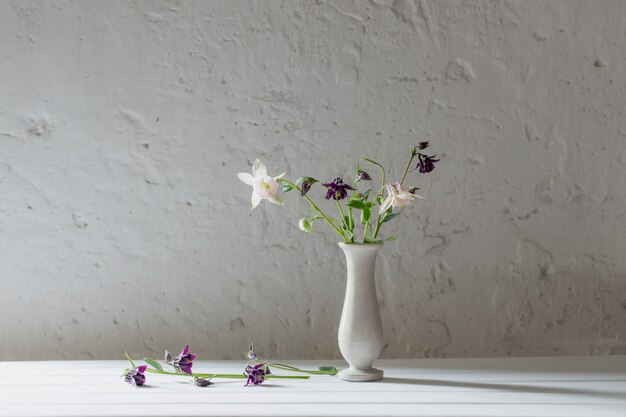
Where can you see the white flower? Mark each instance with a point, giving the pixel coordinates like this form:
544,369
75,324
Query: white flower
264,187
397,197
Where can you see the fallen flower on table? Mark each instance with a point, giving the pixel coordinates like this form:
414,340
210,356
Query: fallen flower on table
256,371
201,382
184,361
256,374
136,376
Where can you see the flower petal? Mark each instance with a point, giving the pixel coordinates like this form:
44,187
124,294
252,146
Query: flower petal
276,199
386,204
256,199
258,169
246,178
280,176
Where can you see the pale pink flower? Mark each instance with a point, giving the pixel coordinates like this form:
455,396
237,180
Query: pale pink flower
397,197
264,187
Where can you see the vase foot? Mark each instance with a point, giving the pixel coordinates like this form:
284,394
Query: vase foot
355,375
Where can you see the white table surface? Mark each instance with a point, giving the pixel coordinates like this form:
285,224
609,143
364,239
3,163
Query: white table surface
565,386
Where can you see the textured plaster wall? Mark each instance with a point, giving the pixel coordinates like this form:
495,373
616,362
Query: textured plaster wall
123,123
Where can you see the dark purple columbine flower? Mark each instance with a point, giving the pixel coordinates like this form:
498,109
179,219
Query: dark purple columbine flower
136,376
337,190
422,145
307,182
184,361
426,163
202,382
256,374
364,176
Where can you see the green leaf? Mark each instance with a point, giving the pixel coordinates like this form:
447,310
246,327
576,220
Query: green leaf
366,194
287,187
348,234
299,180
390,239
365,215
346,221
379,199
153,364
371,161
391,216
357,204
130,360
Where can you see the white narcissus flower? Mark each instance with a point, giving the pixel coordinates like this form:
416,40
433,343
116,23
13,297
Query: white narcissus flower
264,187
397,197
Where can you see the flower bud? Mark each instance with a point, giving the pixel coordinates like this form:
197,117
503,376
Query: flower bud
305,225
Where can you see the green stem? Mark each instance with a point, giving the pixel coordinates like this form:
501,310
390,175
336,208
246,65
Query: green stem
356,181
351,223
294,369
406,170
382,170
231,376
343,217
367,224
378,223
379,191
286,367
381,221
314,206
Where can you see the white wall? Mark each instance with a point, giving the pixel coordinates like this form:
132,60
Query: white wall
123,123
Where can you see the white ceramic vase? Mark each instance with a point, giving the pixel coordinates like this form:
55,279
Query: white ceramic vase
360,329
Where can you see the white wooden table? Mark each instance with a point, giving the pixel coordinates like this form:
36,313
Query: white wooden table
572,386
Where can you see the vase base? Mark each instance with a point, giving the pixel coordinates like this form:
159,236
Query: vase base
355,375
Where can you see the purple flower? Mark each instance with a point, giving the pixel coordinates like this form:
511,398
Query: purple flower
256,374
422,145
184,361
135,376
426,163
364,176
202,382
337,190
307,182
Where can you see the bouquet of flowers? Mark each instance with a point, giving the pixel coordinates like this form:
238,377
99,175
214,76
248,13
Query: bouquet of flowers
371,210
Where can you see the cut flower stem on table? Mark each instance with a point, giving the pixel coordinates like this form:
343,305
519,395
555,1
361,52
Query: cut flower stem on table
255,372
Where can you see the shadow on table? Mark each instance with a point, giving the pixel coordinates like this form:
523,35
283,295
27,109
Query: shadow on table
503,387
